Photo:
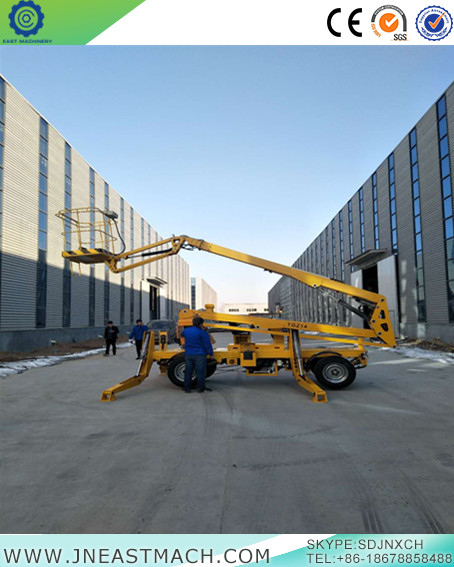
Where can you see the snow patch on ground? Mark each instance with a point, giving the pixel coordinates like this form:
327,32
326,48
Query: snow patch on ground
435,355
19,366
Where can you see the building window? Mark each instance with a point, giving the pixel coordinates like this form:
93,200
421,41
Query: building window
66,315
350,230
106,269
142,239
446,195
341,247
41,276
327,272
122,287
92,282
122,300
375,210
392,193
91,297
311,297
2,144
92,206
361,219
317,265
193,293
342,255
333,248
419,261
131,297
233,310
149,242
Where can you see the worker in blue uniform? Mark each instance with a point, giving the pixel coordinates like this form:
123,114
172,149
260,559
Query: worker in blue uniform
197,346
137,335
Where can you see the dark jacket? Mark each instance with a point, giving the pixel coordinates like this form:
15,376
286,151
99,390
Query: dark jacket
111,333
137,332
197,341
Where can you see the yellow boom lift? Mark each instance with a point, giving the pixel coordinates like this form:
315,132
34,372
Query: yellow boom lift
97,236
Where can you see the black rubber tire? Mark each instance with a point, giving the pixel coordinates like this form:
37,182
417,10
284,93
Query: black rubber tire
212,364
334,372
177,365
313,363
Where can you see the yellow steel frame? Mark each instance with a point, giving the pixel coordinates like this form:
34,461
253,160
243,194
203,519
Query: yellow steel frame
285,347
142,371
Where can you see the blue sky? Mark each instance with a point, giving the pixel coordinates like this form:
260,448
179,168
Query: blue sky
253,148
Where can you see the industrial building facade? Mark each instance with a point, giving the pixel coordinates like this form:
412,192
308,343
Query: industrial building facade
395,236
40,299
202,294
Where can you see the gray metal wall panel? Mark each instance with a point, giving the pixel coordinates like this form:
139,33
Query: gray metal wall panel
368,215
432,220
138,271
405,236
56,202
328,252
274,296
20,213
356,227
344,213
384,223
450,115
80,198
99,268
337,249
115,279
336,257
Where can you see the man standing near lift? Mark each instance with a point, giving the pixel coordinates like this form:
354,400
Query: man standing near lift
197,346
137,335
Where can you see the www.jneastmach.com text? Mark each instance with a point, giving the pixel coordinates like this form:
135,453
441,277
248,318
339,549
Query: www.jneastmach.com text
147,556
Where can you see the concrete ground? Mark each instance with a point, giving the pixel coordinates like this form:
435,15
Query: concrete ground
255,455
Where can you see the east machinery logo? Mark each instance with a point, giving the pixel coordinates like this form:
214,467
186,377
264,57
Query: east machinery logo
26,18
390,23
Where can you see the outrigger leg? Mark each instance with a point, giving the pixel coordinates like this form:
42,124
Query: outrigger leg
143,370
303,380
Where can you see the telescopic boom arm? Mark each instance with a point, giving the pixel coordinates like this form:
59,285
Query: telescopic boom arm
372,306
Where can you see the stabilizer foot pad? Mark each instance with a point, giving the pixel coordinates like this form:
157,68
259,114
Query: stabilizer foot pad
107,396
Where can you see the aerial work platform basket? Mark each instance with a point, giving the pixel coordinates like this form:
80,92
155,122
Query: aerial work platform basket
91,235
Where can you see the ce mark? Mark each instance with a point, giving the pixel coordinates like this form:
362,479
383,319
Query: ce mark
351,22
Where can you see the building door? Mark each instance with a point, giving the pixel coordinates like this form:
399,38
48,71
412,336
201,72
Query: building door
370,279
154,303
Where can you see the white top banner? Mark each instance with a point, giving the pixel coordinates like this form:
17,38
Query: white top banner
287,22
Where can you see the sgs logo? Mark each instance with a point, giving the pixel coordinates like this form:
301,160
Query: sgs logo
390,23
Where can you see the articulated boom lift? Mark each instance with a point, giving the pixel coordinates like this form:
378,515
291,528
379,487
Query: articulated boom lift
333,368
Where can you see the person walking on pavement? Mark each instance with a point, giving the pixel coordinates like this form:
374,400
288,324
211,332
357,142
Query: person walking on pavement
197,346
137,334
111,334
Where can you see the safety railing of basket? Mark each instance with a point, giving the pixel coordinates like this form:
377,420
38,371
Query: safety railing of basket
89,228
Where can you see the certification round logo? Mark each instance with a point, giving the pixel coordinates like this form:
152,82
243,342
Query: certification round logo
390,23
26,18
434,23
